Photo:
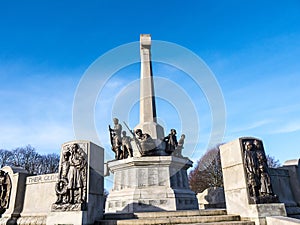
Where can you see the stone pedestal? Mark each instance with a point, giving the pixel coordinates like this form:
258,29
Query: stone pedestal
16,192
153,183
293,166
238,200
87,161
39,196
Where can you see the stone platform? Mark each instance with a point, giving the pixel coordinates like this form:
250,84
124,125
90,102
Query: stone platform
153,183
192,217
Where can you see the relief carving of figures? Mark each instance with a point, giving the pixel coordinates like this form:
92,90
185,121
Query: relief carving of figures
251,165
71,186
171,142
258,178
5,188
265,182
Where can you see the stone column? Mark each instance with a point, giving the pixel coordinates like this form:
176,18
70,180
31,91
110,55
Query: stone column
148,119
244,196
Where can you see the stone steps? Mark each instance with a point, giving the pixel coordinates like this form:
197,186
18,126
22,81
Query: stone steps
224,223
181,213
194,217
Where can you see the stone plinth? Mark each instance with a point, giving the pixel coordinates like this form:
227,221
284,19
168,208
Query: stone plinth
236,187
17,188
39,196
84,159
293,166
154,183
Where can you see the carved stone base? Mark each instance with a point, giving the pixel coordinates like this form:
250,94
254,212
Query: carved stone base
153,183
69,207
264,199
24,220
69,217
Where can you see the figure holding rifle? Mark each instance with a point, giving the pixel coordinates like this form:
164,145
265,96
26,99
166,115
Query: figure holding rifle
138,144
116,139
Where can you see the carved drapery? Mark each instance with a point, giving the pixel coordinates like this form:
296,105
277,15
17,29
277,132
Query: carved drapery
257,173
71,188
5,189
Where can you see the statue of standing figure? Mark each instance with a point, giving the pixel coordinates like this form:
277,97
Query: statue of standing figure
171,142
77,175
178,150
126,146
116,139
251,168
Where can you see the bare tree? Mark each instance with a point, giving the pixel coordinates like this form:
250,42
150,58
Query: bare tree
34,163
5,157
208,171
26,157
48,163
272,162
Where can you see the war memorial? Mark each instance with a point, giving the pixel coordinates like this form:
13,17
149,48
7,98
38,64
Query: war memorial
150,183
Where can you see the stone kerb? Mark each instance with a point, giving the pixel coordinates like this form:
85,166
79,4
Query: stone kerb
17,177
236,184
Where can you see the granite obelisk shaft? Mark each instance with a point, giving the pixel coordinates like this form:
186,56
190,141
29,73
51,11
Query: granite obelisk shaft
148,119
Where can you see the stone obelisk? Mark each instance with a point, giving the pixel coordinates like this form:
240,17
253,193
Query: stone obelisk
148,120
149,183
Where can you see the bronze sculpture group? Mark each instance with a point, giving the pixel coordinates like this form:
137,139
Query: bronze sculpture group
122,147
258,178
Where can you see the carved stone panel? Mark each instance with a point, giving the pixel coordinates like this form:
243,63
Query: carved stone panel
142,177
71,187
257,173
5,189
152,176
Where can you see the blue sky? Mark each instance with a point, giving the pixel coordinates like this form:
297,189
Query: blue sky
252,47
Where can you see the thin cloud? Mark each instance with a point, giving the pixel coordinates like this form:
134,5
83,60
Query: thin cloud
288,128
251,126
